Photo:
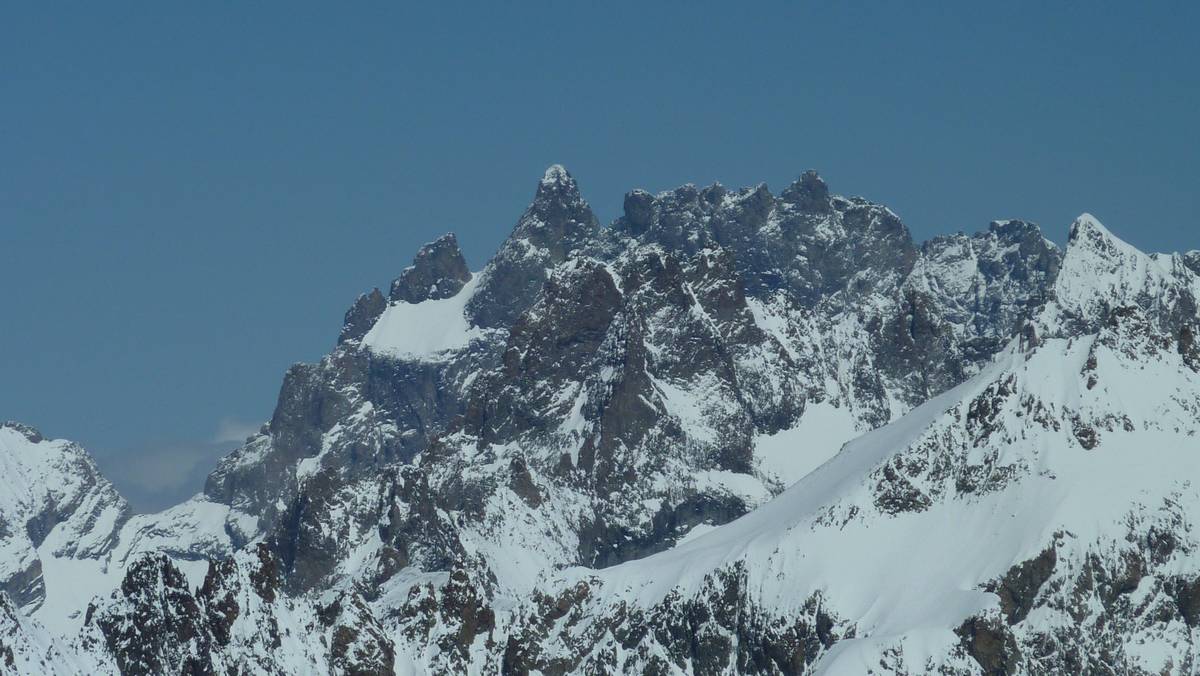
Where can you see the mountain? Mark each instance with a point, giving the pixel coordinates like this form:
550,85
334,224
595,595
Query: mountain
67,535
732,432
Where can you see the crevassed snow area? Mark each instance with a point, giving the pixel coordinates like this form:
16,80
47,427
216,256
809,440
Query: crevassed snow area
789,455
422,331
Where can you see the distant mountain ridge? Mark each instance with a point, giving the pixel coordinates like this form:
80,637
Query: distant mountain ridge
616,449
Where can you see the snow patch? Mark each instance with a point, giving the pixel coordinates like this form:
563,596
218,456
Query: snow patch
424,331
789,455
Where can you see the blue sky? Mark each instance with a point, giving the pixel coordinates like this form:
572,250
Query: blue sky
191,196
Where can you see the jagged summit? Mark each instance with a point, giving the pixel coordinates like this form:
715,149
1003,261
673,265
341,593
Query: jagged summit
1101,272
1089,227
558,213
1014,227
809,193
1192,260
1088,237
557,190
438,271
638,210
557,223
55,507
557,175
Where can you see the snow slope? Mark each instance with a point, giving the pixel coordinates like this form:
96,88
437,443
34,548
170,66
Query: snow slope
427,329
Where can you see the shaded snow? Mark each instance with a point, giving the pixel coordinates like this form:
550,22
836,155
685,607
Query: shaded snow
789,455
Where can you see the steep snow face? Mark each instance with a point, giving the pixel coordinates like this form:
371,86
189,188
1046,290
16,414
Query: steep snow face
789,455
1102,272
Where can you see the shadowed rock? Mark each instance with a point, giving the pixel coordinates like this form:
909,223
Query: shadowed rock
557,223
438,271
362,316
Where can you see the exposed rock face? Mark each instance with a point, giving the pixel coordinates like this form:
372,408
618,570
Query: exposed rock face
992,646
1001,460
238,619
965,298
1192,260
805,242
557,223
362,316
718,630
155,636
438,271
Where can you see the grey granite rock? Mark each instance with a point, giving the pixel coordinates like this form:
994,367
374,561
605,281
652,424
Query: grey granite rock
438,271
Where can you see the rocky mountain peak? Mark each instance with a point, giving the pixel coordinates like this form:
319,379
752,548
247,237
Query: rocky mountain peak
1014,229
1192,260
1090,243
362,316
1021,250
1102,276
54,506
1086,229
639,211
557,177
557,223
438,271
1093,254
809,193
558,219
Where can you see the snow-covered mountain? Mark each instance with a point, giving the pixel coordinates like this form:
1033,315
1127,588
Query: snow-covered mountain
67,536
732,432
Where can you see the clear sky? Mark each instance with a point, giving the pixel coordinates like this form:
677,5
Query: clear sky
191,196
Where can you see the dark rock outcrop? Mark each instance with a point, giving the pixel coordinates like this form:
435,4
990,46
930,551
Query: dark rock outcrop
992,645
1019,587
362,316
557,223
438,271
